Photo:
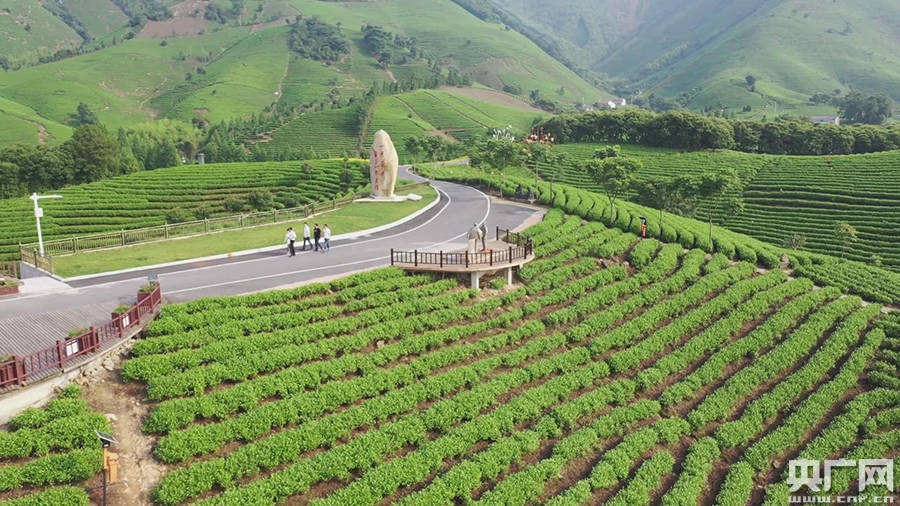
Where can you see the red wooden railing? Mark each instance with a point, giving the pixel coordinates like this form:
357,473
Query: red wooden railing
18,370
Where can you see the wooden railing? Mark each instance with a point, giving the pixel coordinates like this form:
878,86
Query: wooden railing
465,259
18,370
512,237
31,255
10,270
523,248
72,245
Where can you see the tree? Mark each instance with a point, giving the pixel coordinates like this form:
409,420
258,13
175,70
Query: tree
615,176
260,200
608,152
307,169
317,40
845,233
795,241
413,147
722,197
665,194
873,110
95,154
751,82
85,116
10,181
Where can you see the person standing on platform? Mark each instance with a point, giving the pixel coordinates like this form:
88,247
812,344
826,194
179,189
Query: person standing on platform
289,238
306,237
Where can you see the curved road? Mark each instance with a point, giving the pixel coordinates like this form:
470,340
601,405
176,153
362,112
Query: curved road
442,227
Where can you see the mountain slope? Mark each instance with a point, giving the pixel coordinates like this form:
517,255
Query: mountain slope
705,48
226,71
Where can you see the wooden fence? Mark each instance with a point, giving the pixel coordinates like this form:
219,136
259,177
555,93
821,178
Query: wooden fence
72,245
10,270
18,370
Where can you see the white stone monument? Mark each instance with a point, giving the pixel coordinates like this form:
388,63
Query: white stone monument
383,164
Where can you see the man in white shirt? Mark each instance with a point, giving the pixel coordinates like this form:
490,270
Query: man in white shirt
326,233
306,237
289,238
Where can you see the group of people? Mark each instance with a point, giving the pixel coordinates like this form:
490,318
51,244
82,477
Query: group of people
322,237
521,195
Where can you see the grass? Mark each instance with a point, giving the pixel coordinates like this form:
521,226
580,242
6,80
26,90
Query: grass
28,30
21,124
352,218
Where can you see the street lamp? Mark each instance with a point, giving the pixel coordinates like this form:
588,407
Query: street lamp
38,214
110,461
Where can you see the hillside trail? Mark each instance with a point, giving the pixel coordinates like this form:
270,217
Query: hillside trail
391,75
105,393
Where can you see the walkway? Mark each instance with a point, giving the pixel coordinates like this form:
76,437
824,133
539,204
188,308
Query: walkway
443,227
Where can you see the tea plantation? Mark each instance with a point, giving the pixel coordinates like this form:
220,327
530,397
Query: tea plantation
678,377
147,198
787,195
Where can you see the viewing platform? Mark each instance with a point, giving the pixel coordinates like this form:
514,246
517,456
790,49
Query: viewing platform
507,251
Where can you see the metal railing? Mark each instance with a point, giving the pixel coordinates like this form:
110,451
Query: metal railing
17,370
109,240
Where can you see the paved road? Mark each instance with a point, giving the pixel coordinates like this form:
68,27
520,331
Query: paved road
442,227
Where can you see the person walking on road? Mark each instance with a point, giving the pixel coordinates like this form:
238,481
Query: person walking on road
289,238
326,233
317,235
306,237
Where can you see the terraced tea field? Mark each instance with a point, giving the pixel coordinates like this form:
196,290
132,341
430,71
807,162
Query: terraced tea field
807,195
787,195
680,377
331,132
51,446
142,199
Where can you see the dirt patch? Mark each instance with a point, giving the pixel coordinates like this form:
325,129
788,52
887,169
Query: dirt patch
187,21
493,97
105,393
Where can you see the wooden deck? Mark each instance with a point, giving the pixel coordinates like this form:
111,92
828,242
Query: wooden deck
497,256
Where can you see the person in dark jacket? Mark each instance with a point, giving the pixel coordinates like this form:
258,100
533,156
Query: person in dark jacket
317,235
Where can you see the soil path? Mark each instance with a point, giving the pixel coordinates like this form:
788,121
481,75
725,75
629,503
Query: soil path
106,393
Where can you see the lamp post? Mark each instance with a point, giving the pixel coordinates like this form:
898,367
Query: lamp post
110,461
38,214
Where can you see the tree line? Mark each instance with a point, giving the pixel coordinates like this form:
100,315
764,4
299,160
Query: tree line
680,129
95,153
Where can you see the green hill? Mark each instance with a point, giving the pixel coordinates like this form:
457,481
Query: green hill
444,113
705,48
237,68
450,112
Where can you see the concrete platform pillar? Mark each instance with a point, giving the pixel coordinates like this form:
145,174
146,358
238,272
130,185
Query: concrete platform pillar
476,277
509,279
